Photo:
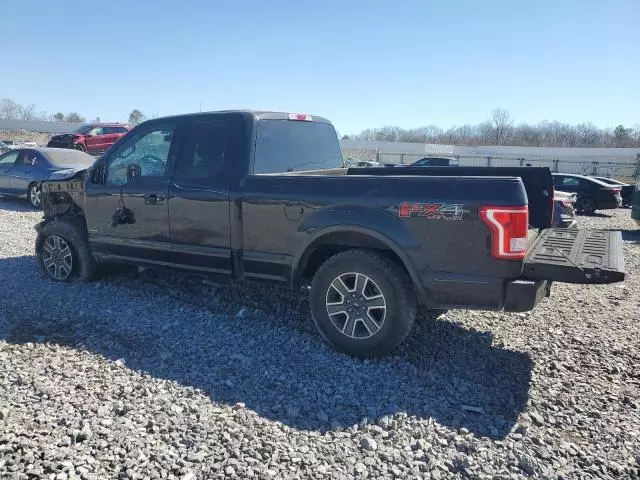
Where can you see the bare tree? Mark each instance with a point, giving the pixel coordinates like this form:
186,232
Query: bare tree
588,135
501,123
74,117
9,109
59,117
27,112
136,117
500,130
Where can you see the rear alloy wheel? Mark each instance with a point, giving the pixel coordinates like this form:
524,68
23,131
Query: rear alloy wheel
34,194
356,305
587,206
362,303
79,146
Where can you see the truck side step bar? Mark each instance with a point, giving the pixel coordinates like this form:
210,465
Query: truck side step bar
576,256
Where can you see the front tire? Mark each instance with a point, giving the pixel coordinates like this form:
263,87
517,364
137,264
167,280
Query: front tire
63,253
79,146
34,195
362,303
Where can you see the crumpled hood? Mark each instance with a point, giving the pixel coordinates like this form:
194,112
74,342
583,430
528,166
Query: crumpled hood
63,136
67,173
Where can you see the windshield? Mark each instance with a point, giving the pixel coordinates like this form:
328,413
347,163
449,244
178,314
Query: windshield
83,129
289,146
62,157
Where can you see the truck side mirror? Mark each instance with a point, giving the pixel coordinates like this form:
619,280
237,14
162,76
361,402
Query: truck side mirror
97,173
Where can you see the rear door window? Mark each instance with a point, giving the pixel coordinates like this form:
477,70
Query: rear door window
291,146
570,182
203,157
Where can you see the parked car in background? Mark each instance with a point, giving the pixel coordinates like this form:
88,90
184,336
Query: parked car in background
367,163
435,162
22,170
592,194
626,189
4,147
564,214
92,138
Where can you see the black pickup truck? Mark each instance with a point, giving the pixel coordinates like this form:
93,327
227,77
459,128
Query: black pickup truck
264,195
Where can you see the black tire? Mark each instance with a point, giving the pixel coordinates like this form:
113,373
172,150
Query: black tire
79,146
383,276
34,195
587,206
83,266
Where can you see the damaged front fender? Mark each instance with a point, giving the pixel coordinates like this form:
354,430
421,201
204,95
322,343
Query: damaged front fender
63,193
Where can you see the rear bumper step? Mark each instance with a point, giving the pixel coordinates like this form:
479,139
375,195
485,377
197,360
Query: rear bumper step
576,256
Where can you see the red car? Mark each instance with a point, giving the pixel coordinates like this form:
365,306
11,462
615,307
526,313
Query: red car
92,138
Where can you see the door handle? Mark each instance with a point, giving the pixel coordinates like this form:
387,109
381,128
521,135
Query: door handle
154,198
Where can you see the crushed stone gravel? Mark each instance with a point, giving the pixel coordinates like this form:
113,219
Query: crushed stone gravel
161,375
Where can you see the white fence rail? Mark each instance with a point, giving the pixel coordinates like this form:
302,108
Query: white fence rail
587,166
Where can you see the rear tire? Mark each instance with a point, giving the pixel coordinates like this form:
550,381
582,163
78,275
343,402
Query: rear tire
362,303
63,253
587,206
34,195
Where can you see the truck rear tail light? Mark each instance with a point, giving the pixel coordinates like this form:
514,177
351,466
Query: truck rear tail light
300,117
509,227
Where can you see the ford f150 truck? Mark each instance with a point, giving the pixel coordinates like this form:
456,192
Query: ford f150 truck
264,195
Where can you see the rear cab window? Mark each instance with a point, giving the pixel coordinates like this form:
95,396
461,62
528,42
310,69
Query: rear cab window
292,146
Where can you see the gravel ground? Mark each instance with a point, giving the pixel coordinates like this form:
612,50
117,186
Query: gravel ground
150,375
19,136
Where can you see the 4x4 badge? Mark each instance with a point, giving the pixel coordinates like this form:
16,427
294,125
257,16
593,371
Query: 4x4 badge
433,211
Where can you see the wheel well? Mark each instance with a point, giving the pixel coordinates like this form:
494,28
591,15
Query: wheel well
587,198
337,242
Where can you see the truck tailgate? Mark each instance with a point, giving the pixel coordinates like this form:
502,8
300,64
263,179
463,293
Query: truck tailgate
576,256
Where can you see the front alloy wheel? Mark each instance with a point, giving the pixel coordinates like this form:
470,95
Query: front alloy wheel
57,257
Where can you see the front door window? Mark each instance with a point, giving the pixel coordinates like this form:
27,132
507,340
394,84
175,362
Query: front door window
144,155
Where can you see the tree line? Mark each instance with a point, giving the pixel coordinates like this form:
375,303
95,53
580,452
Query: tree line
501,129
11,110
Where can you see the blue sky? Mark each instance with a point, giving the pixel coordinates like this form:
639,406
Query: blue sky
360,63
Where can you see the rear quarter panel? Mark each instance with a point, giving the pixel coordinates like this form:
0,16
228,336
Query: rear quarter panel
283,214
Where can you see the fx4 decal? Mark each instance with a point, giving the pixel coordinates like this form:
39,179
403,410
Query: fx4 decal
433,211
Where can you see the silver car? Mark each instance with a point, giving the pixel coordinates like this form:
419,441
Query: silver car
22,170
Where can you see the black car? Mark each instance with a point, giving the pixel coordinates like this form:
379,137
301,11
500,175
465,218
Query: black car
626,189
592,194
431,162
